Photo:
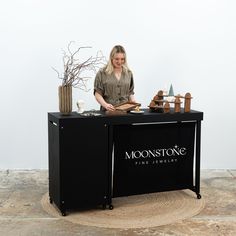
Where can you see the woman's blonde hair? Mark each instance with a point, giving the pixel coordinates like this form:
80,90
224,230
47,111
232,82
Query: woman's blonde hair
109,67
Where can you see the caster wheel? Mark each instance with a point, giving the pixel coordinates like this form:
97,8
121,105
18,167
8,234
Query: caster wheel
199,196
111,207
63,214
104,206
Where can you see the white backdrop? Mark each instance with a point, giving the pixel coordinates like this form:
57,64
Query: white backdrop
190,44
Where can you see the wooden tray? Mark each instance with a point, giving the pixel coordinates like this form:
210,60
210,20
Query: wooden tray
127,106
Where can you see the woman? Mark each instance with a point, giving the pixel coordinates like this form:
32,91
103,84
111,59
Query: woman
114,83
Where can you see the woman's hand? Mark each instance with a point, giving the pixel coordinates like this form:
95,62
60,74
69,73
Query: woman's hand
103,103
109,107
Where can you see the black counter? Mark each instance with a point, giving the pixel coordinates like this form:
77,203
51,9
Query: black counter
81,150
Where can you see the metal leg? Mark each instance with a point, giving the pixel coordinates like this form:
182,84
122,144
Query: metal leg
63,208
110,173
198,149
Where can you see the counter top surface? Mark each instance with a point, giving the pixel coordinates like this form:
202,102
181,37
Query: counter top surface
126,118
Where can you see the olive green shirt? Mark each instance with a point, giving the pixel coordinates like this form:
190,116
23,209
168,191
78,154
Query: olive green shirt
114,91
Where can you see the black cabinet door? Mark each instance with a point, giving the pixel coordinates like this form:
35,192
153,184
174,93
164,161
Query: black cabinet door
152,158
83,162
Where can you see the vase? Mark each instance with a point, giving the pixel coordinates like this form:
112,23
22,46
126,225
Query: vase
65,99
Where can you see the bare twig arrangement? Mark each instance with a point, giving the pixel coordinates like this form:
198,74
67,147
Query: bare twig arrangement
74,68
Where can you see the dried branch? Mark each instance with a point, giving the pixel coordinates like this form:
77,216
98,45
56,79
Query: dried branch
73,67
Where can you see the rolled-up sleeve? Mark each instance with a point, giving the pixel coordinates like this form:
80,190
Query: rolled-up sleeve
98,85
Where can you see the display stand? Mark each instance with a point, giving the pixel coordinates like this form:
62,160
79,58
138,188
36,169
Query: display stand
81,152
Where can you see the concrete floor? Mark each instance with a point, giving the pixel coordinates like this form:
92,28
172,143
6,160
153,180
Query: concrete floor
21,213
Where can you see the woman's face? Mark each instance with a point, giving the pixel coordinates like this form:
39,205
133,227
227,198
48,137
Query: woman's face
118,60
